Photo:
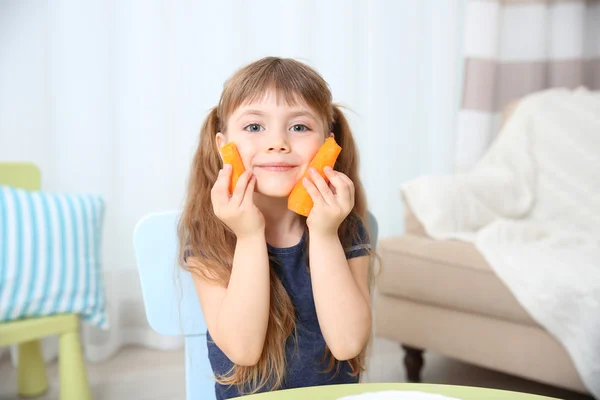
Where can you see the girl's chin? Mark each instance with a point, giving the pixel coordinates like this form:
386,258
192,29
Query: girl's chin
274,191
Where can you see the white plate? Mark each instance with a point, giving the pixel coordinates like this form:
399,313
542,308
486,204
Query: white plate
397,395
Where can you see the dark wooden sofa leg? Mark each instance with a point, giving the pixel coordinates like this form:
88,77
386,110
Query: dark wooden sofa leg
413,362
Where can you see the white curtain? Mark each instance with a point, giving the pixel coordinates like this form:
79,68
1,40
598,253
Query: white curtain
108,97
513,48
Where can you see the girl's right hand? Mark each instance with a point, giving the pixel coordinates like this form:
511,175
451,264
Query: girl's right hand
238,210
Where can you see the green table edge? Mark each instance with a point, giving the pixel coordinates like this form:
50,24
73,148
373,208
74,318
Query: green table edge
333,392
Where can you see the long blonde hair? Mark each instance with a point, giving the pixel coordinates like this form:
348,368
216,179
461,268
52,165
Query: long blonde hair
211,243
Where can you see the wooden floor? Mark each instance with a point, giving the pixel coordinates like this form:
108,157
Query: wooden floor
142,374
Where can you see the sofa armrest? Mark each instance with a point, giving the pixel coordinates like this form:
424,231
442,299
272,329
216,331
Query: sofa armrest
412,226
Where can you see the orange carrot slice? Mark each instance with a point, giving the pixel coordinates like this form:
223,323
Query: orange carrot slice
231,156
299,200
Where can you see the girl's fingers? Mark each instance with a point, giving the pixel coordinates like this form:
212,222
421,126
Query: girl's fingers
332,188
341,183
249,194
220,190
322,186
313,191
348,181
240,188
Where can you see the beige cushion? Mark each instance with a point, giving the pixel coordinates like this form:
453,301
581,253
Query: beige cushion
412,225
451,274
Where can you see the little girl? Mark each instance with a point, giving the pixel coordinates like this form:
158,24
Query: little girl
286,298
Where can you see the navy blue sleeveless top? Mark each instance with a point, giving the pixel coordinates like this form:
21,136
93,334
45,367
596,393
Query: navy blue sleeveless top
303,358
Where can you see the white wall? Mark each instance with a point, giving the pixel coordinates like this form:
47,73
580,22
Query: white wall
108,96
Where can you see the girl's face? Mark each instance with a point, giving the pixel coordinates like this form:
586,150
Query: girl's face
275,141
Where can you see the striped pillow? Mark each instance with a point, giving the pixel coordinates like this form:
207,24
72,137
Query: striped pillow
50,261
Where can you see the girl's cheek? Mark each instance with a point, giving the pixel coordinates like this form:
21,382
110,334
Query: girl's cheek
247,157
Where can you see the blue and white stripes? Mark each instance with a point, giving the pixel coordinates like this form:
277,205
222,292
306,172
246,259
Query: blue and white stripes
50,258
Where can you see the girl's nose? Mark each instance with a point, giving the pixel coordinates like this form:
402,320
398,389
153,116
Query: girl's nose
278,143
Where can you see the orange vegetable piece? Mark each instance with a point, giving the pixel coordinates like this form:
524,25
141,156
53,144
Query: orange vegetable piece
231,156
299,200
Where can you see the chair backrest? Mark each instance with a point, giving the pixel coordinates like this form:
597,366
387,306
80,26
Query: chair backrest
22,175
373,228
170,299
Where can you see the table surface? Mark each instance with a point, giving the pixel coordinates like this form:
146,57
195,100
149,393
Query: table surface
333,392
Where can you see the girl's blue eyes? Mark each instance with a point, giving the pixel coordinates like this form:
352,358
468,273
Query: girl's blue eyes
253,128
257,128
303,128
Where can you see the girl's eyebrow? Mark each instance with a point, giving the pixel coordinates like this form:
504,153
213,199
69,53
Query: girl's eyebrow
302,113
259,113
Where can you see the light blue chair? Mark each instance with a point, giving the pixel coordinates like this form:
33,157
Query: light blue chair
170,298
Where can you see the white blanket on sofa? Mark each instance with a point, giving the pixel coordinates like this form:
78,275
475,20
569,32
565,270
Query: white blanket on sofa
531,206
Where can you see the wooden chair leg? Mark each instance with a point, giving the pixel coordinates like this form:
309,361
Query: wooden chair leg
74,383
413,362
31,371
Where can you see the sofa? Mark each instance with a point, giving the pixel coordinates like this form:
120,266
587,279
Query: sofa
441,295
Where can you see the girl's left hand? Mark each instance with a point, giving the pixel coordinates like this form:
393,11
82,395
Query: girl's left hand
332,202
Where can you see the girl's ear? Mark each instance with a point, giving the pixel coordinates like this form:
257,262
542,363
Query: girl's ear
331,134
220,141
